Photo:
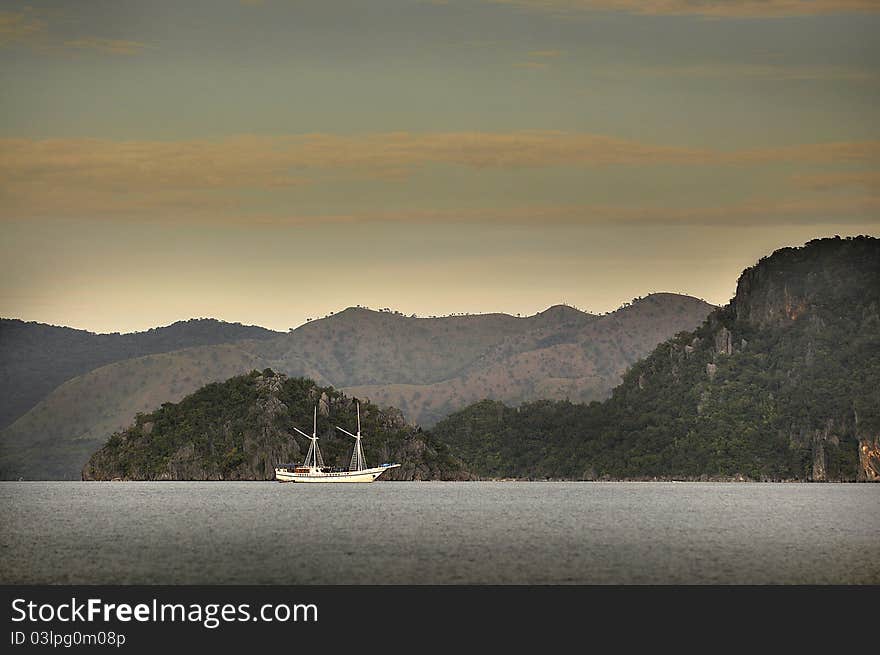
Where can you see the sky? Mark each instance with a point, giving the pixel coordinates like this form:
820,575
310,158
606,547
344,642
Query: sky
268,162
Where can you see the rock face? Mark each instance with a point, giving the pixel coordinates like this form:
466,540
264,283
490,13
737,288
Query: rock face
766,297
869,460
242,428
711,369
723,341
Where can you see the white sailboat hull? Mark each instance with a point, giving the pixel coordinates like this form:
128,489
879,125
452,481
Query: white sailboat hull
364,475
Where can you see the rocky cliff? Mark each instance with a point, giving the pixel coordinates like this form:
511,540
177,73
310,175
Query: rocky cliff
242,428
820,307
793,362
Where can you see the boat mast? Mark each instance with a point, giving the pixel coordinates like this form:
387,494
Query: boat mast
313,457
358,463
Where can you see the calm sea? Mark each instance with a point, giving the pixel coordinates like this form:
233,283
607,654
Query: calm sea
438,532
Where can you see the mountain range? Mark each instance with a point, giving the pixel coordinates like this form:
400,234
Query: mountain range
427,367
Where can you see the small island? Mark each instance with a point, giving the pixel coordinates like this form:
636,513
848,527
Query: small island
242,428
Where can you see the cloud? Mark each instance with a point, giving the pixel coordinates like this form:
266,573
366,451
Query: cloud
761,211
759,72
32,29
18,26
837,181
812,153
540,55
87,176
757,211
707,8
107,46
797,210
262,161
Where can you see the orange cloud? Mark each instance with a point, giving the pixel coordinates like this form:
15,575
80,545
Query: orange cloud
708,8
260,162
540,55
264,161
815,153
76,176
834,181
756,212
107,46
760,211
720,70
16,26
31,28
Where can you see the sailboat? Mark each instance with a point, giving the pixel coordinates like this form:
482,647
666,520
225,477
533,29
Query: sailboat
314,470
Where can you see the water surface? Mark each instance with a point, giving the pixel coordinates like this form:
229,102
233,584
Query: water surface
438,532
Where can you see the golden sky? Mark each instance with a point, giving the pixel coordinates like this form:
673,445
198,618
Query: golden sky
267,162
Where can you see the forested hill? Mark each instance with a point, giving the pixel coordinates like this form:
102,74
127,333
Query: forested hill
36,358
781,384
242,428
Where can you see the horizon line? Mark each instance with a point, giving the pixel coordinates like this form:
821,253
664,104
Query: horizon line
382,310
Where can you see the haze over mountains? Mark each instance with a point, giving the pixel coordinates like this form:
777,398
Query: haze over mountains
427,367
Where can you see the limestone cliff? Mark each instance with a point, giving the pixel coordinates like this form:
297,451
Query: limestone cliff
800,341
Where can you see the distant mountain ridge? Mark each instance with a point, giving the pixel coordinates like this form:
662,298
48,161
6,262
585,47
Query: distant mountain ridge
425,366
565,355
360,346
783,383
35,358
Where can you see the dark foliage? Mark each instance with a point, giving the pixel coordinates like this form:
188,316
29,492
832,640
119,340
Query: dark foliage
242,428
